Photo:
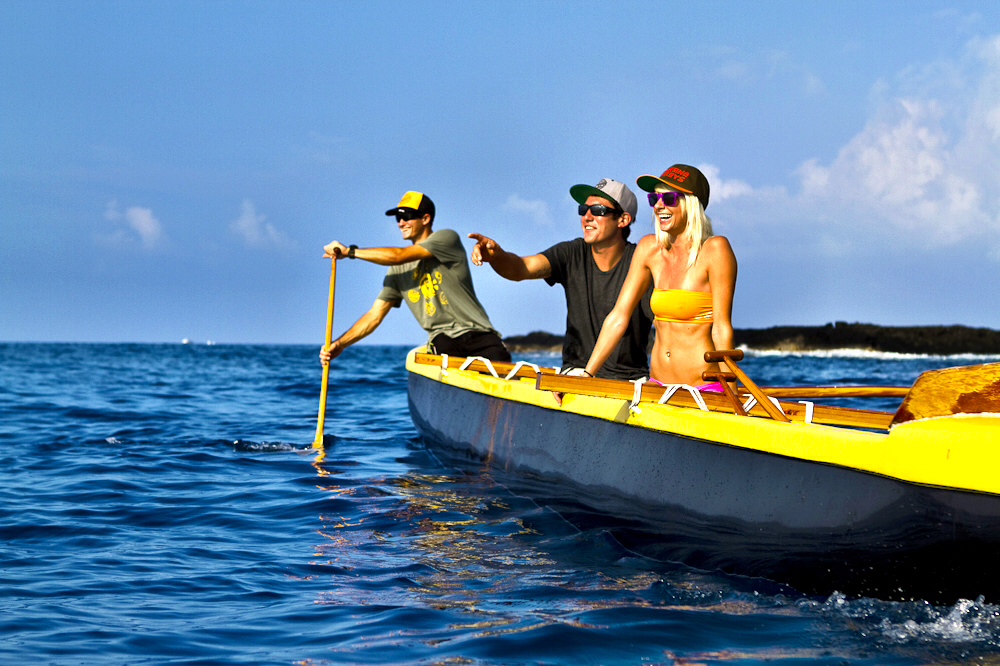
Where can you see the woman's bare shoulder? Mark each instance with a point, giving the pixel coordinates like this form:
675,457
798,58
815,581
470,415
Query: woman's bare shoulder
717,245
647,244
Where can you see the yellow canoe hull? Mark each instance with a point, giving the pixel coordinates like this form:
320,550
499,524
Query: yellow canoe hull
771,499
960,452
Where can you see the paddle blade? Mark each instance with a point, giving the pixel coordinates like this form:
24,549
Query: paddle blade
973,389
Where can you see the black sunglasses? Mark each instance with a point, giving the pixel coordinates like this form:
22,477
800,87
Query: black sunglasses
407,215
597,210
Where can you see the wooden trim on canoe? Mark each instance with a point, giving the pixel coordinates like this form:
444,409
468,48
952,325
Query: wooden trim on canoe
793,392
455,362
805,392
610,388
549,380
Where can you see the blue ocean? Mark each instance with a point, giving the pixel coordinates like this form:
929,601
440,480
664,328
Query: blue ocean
163,504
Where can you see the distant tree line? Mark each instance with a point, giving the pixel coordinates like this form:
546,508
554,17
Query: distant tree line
945,340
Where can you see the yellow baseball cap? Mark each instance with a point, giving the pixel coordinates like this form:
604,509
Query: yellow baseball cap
413,201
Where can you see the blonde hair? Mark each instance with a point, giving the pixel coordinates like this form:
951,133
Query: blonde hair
698,227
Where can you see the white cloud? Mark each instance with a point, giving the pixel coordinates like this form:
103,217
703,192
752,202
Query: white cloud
835,246
733,70
538,211
812,85
814,177
111,211
784,67
323,148
747,69
723,189
140,225
927,161
147,226
992,118
255,232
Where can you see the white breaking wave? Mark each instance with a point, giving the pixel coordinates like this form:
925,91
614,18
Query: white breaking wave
869,354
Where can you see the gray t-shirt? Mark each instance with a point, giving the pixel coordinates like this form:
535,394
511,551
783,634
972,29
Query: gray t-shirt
438,290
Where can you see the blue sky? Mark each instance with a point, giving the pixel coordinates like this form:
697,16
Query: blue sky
172,170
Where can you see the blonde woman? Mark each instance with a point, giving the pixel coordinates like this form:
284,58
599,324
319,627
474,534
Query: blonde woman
693,275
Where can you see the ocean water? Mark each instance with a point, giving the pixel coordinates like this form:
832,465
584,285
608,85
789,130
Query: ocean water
162,504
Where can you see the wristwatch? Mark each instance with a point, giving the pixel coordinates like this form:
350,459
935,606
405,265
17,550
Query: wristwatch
350,251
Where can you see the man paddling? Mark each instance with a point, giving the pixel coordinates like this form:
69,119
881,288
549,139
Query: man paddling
591,270
432,276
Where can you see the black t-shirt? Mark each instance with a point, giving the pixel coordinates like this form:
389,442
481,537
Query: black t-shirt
590,297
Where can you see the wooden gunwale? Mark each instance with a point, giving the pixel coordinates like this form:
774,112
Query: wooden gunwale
548,380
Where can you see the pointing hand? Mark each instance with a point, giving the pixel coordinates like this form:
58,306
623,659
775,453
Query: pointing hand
484,250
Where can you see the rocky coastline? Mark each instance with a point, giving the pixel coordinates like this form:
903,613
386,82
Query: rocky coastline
943,340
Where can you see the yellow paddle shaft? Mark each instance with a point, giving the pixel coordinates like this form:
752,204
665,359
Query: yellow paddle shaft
321,419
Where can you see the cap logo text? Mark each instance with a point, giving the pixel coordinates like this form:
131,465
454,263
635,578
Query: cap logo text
678,174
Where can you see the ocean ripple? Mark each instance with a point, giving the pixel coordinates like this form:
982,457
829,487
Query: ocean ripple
165,504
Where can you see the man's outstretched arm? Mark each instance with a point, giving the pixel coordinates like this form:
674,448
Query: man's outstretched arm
383,256
507,264
362,328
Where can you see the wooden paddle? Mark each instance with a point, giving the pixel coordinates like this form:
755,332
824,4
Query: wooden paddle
321,420
973,389
729,357
726,380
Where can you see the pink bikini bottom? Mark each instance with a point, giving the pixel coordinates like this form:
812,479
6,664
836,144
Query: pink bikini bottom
714,387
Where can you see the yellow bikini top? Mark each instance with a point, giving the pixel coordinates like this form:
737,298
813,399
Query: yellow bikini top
681,306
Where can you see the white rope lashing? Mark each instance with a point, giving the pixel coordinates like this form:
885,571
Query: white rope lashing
522,364
752,401
695,393
668,393
471,359
636,395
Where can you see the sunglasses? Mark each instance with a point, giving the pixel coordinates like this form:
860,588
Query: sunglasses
668,198
407,216
597,210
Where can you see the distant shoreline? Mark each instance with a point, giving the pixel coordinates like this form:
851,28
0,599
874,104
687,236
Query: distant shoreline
943,340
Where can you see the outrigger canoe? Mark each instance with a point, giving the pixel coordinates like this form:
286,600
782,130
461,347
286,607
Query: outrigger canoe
757,482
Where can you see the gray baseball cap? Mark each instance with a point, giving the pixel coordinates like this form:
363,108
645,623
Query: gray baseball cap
608,189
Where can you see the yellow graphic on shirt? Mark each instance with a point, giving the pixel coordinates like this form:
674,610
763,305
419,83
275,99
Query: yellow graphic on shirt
430,286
